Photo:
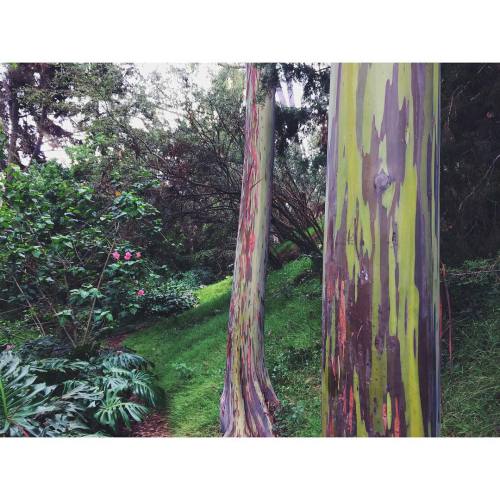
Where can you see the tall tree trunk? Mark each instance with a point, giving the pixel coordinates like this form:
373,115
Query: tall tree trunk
380,366
248,400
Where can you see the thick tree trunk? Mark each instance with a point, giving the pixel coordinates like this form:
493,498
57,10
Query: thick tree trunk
248,400
380,367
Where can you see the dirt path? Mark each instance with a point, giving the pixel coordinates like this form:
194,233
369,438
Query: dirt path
155,424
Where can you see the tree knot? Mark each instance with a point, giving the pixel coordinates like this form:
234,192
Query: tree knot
382,181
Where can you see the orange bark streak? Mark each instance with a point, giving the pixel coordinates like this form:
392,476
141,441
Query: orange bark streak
396,419
384,416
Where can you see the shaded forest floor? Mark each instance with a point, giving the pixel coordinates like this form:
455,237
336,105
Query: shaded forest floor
188,352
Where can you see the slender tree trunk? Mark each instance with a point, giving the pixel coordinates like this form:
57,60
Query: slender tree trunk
380,366
13,117
248,400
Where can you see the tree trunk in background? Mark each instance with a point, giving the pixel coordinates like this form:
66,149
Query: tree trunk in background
11,116
380,366
248,400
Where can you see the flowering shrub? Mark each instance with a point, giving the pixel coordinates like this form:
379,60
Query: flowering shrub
69,258
65,256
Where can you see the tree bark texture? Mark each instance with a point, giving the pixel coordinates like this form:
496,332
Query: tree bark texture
248,400
380,364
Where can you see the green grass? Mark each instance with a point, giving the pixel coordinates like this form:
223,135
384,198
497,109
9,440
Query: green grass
471,383
189,356
189,350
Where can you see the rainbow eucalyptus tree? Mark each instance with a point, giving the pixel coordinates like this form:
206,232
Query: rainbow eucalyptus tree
248,400
380,366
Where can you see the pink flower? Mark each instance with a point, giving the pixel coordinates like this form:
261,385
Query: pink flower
127,256
138,255
140,292
116,255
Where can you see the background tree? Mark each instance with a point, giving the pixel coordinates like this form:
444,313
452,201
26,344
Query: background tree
42,106
248,400
381,260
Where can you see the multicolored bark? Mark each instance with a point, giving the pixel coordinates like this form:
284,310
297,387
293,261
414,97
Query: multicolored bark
380,365
248,400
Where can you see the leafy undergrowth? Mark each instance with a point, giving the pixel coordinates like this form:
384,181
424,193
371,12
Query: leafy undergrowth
16,332
189,350
189,356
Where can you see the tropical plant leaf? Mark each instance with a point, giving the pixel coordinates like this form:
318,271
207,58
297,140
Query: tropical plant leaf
22,401
122,359
114,410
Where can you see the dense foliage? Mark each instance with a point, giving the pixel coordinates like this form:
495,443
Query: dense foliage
50,397
70,260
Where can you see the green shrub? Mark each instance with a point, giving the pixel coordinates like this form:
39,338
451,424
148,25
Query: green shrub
197,277
474,285
170,296
22,402
48,346
58,234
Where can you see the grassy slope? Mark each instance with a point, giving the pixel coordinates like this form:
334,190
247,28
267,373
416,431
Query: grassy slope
197,339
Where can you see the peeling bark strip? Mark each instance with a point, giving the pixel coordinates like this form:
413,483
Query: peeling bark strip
248,399
380,365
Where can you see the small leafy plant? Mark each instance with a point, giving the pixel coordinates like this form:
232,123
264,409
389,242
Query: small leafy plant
169,297
185,372
289,418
